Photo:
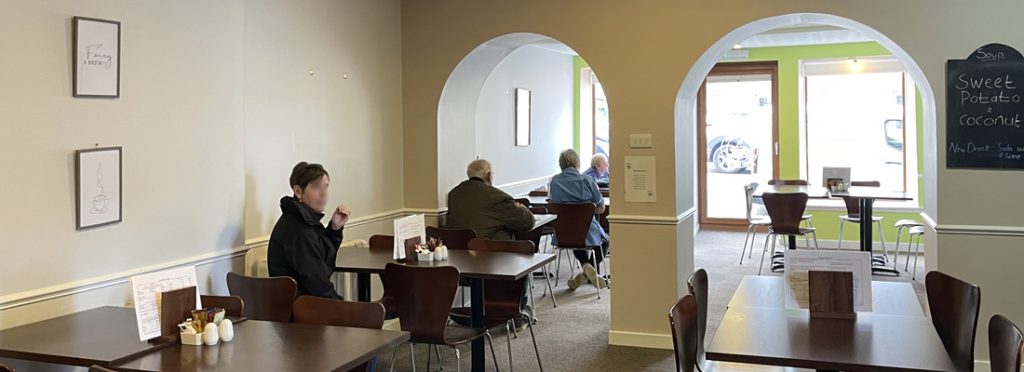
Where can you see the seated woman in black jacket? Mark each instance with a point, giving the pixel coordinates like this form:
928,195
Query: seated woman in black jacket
300,246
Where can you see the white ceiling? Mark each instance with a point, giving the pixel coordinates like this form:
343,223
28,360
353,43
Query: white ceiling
804,35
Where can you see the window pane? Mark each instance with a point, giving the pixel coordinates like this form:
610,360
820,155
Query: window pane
856,121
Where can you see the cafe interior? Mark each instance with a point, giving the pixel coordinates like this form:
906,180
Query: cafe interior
797,186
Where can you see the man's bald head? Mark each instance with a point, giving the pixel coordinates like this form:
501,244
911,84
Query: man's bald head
481,169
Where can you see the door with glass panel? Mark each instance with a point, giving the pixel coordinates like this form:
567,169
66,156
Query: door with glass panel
737,138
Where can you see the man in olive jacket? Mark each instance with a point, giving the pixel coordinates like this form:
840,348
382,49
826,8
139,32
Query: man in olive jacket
476,205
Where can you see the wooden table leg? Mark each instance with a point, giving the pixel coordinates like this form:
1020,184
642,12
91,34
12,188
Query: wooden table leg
476,299
363,287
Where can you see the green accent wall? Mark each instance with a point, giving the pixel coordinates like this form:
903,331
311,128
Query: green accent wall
788,58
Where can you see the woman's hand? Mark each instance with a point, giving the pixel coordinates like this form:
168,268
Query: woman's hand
340,217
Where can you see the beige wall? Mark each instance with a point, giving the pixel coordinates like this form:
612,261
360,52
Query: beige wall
216,106
643,50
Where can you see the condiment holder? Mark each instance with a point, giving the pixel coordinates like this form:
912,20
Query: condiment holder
432,250
206,326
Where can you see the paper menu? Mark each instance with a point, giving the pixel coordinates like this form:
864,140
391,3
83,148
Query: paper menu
799,262
146,289
641,179
406,228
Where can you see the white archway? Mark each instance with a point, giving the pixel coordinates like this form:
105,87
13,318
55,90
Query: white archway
686,99
460,97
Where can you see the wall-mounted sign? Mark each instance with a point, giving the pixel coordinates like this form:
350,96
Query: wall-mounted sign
985,109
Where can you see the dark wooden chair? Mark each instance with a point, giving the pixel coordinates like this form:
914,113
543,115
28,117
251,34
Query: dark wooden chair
571,228
1005,343
785,211
267,299
778,182
502,297
424,296
4,368
697,285
385,243
954,306
524,201
327,311
232,305
682,318
452,238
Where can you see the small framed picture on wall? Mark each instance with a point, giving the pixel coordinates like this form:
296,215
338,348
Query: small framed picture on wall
98,187
96,70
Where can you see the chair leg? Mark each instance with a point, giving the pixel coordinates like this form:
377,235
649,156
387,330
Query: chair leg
896,255
547,278
917,250
753,238
842,223
429,355
494,356
881,238
593,261
412,356
743,252
508,341
910,241
766,239
558,266
440,360
536,350
814,234
394,355
458,359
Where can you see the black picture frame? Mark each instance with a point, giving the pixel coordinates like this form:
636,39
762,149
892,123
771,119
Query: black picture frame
98,201
76,87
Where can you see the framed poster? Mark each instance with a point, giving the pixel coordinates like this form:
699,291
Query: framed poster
524,110
96,70
98,187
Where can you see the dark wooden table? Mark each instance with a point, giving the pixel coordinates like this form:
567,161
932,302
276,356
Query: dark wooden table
543,200
273,346
813,192
102,336
757,329
889,298
473,265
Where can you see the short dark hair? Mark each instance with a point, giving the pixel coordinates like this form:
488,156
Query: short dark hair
304,173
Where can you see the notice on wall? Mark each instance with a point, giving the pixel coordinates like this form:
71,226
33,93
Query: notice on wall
409,231
640,179
985,109
146,289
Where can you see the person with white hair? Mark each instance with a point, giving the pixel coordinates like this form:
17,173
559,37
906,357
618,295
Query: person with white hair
477,205
572,187
598,169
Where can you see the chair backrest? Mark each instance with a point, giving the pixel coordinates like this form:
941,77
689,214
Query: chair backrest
524,201
328,311
779,182
382,243
785,210
232,305
511,246
748,191
866,183
423,296
267,299
452,238
538,209
503,296
4,368
1005,344
852,206
698,287
954,306
573,223
682,317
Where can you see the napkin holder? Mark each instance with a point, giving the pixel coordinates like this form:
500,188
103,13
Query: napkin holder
831,294
175,306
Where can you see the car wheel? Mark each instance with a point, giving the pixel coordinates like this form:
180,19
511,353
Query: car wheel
727,158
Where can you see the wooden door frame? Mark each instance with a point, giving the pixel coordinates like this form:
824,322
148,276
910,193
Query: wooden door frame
731,68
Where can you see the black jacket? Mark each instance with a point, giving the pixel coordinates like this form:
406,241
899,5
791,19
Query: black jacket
302,248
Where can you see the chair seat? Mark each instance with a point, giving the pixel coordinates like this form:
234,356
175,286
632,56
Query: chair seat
803,231
907,223
805,217
455,336
856,219
917,230
461,316
761,221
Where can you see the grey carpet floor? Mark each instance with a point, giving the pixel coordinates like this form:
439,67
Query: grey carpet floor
574,336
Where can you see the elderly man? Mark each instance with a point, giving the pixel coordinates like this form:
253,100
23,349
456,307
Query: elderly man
476,205
598,169
572,187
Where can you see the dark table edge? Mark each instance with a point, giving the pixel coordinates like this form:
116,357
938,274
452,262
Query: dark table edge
549,259
809,364
405,336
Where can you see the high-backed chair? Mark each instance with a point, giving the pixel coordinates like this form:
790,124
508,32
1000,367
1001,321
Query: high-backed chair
682,318
753,222
806,218
512,246
385,243
232,305
4,368
954,306
327,311
424,296
267,299
452,238
571,228
1005,343
697,285
785,211
853,216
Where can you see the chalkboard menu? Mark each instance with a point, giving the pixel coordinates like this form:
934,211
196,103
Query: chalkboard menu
985,109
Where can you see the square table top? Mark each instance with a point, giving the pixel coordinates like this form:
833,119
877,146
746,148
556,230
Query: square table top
813,192
274,346
102,336
818,192
867,192
889,298
471,264
543,200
